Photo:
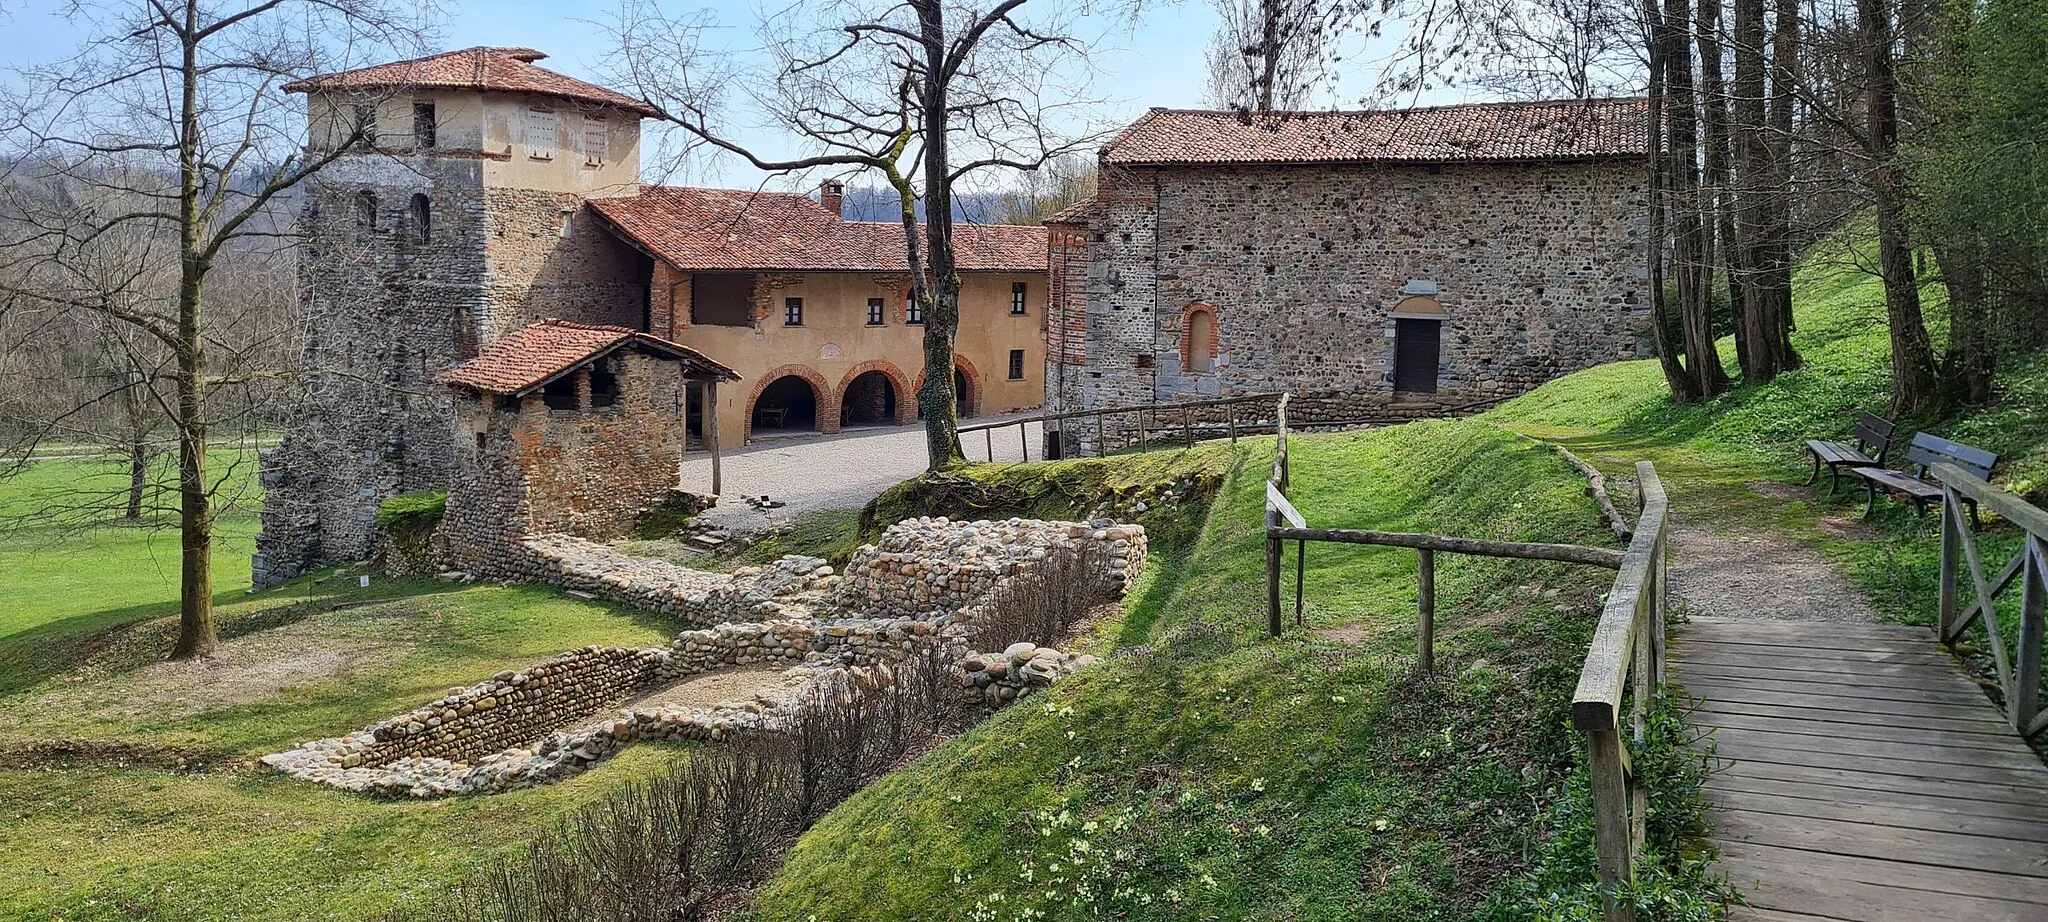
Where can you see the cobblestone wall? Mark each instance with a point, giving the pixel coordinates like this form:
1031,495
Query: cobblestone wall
1539,268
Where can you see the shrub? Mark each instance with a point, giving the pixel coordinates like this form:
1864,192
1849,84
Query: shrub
407,522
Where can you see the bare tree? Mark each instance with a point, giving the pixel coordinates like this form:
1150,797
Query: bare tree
185,93
1268,55
1037,194
1546,49
926,93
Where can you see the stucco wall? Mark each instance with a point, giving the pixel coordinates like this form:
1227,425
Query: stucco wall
835,343
1538,267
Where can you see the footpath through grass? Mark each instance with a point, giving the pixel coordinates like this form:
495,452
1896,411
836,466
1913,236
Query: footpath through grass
1207,773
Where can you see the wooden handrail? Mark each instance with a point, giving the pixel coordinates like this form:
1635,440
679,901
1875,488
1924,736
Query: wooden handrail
1625,662
1112,411
2019,670
1563,553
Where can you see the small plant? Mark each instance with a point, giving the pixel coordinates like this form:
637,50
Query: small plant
407,522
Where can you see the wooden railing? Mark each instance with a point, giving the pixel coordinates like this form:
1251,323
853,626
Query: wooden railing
1179,419
2019,670
1624,666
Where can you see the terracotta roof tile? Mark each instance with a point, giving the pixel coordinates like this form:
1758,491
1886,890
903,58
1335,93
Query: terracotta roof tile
710,229
1080,212
539,352
1490,132
507,70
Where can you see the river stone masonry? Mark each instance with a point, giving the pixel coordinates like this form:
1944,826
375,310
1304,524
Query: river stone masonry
922,586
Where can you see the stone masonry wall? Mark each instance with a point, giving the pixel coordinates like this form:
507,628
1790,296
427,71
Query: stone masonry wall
385,312
590,471
537,270
1539,268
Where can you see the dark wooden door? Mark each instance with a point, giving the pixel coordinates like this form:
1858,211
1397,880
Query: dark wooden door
1416,343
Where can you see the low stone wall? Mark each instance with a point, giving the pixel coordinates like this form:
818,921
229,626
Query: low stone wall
694,596
936,565
505,733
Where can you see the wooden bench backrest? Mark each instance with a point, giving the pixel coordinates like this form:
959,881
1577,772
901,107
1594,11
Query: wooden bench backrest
1874,432
1931,449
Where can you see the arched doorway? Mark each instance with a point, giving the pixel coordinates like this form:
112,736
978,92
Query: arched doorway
1418,344
870,398
787,404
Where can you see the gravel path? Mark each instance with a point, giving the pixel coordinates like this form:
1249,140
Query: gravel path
814,472
1757,576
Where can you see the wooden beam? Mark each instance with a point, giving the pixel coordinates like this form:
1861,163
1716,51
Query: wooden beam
1565,553
711,433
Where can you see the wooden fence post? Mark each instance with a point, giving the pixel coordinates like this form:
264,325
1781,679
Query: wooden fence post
710,424
1612,830
1425,599
1272,575
2027,679
1951,560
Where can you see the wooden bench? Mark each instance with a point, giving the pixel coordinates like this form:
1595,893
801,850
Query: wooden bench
1873,434
772,415
1926,449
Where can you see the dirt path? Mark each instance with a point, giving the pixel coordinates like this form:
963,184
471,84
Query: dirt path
1756,575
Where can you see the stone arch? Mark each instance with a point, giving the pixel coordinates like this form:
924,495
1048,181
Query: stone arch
1200,338
825,400
967,397
1420,307
906,397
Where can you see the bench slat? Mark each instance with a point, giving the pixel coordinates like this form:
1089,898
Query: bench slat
1910,485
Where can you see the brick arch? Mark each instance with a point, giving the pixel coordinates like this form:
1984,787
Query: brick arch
1187,325
906,397
967,372
827,398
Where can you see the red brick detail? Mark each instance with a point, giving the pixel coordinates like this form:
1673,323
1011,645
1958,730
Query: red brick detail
1187,326
973,378
827,398
906,397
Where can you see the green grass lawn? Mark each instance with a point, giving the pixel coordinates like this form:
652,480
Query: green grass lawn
134,833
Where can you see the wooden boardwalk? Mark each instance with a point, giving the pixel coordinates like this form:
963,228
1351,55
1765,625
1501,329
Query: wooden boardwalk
1862,777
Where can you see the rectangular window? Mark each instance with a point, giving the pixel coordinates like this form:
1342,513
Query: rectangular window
912,312
722,300
597,141
1017,293
423,125
1016,364
875,312
540,134
366,124
793,312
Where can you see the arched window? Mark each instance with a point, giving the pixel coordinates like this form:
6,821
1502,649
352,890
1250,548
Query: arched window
366,211
1198,339
422,217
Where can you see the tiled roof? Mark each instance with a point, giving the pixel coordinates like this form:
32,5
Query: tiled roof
1078,213
506,70
539,352
711,229
1574,129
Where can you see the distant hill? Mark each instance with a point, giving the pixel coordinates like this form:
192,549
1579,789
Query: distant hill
879,204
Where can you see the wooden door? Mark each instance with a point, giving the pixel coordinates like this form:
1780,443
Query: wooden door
1416,344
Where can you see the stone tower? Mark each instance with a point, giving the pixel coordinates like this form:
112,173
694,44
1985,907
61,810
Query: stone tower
452,216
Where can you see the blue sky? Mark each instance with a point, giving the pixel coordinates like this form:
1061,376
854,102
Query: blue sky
1159,63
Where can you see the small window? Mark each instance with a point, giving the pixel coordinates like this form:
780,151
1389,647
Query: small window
422,213
423,125
597,140
465,339
1017,292
366,211
1016,364
792,312
875,306
365,125
540,134
912,311
604,387
568,225
560,394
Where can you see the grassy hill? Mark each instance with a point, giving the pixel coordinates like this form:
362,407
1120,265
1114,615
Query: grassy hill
1209,774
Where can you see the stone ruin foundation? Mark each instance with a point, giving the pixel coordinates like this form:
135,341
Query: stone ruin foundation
921,587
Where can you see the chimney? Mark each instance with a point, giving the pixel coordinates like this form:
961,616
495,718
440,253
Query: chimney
831,194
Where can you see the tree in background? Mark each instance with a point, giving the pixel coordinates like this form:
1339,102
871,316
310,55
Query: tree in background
1269,55
1063,181
1981,175
185,94
928,94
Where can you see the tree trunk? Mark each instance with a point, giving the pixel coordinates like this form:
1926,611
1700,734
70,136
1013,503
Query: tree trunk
1971,362
1913,385
942,322
1755,189
1689,231
1683,389
195,514
138,476
1777,275
1269,52
1720,203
